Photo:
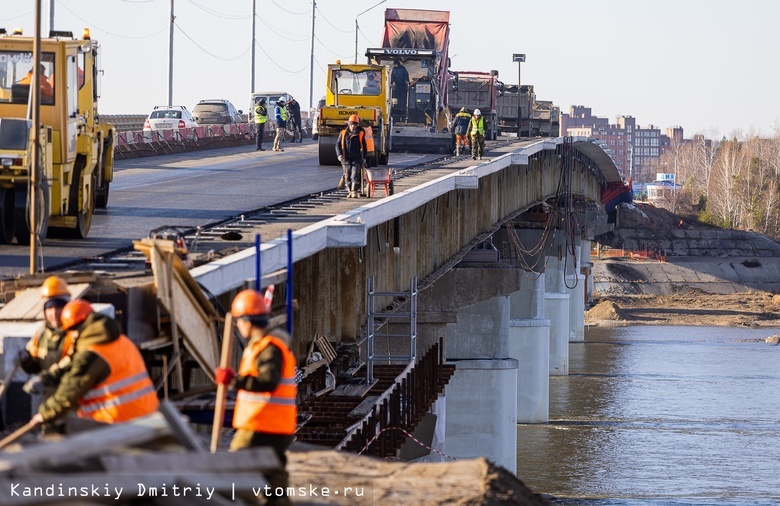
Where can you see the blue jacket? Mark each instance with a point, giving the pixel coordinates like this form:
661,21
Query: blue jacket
281,116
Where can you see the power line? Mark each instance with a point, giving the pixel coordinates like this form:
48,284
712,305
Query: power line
280,67
16,17
206,51
331,24
329,50
92,25
273,29
289,12
219,14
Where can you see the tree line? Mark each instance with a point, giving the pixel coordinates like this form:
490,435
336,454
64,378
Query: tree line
731,183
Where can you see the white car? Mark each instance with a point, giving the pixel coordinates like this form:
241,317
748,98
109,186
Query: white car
315,131
165,117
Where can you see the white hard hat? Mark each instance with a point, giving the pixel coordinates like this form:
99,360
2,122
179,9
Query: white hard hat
477,112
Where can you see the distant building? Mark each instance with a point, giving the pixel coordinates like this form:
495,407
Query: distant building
635,150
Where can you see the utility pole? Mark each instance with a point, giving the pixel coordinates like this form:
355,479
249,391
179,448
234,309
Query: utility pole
170,58
254,21
35,174
356,25
519,58
311,61
51,15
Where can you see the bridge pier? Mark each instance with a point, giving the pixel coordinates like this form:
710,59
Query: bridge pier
481,399
556,308
575,283
529,344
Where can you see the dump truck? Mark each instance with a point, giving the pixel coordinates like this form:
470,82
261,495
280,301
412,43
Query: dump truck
356,89
538,118
419,40
477,90
77,158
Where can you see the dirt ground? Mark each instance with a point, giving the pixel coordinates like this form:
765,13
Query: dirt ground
754,309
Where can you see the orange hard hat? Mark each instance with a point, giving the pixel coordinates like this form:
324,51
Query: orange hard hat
354,119
75,312
249,303
54,286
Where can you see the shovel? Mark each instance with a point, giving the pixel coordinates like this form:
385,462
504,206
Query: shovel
18,433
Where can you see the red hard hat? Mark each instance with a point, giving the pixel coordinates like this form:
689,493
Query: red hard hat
75,312
54,286
249,303
354,119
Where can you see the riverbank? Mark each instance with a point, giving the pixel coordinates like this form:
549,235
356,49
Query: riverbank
747,309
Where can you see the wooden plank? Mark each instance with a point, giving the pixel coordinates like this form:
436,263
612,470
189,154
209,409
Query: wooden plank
222,390
364,407
27,305
195,322
87,444
358,390
180,429
261,459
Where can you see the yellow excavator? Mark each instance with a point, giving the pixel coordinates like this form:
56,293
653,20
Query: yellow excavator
77,150
356,89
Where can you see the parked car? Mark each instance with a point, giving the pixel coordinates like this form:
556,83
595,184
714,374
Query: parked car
315,131
216,112
165,117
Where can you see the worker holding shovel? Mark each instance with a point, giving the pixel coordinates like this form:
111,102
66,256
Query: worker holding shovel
265,413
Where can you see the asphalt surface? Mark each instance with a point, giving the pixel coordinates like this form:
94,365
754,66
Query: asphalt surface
189,190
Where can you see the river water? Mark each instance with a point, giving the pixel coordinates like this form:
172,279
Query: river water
654,415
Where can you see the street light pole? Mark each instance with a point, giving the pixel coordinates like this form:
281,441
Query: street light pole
356,25
519,58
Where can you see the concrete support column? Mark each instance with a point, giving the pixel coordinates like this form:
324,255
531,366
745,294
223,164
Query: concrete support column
528,302
576,288
529,343
481,419
586,269
556,308
481,397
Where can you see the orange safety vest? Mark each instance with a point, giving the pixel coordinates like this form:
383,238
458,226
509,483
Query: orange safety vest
36,351
271,412
128,391
361,135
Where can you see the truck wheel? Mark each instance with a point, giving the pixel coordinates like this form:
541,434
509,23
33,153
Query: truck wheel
6,215
101,199
101,192
84,218
22,215
327,150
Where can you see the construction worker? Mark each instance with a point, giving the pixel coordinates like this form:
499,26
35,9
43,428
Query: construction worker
294,115
399,81
280,114
47,92
476,131
261,117
459,128
106,380
46,355
351,150
265,413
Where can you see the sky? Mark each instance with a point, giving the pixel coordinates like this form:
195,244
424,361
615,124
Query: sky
709,66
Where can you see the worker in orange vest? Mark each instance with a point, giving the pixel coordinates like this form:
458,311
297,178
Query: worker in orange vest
47,354
351,150
265,413
106,380
47,92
